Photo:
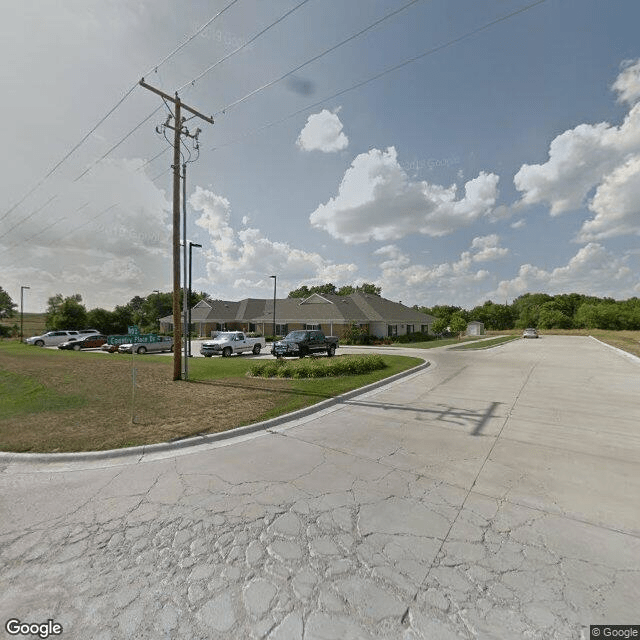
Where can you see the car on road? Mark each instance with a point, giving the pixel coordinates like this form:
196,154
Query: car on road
302,343
92,341
229,342
162,343
530,333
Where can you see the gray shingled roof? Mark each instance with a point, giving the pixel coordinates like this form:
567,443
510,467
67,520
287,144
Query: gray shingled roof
356,307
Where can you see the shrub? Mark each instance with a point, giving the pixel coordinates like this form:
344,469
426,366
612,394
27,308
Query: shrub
317,367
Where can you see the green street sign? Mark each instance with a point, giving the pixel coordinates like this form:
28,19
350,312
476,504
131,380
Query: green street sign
133,330
136,339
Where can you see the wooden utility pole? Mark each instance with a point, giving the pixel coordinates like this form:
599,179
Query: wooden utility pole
178,131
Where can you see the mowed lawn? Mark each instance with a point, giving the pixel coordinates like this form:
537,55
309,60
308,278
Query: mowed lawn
55,401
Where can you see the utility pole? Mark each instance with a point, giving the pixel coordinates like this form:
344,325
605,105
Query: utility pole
178,131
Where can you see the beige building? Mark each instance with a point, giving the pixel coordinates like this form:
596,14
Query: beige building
330,313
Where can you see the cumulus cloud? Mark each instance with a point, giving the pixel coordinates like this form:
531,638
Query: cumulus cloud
593,270
377,201
102,237
616,204
323,132
593,158
239,262
487,248
627,84
458,281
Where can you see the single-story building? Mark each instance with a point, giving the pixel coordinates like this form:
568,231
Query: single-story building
475,328
330,313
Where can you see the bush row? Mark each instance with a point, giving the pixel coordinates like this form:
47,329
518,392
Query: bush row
317,367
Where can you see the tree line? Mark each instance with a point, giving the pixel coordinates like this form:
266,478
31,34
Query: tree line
69,313
544,311
539,310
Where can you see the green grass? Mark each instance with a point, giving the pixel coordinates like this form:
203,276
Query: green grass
21,395
308,391
54,401
433,344
485,344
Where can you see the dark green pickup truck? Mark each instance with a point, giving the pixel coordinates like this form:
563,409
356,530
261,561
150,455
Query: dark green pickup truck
303,343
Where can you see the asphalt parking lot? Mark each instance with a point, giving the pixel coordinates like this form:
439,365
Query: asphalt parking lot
493,495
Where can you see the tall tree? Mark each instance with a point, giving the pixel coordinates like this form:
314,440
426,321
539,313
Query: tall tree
66,313
7,305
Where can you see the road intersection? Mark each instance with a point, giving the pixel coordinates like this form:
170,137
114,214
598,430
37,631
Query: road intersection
492,495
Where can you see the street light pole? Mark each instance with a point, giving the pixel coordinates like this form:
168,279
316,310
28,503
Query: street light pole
22,308
191,245
157,292
274,307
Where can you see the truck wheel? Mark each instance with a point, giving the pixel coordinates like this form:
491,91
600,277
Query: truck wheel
331,351
141,350
39,343
256,349
226,352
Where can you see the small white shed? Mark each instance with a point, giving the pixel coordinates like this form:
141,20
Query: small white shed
475,328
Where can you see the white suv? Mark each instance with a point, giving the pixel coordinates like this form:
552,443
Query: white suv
54,338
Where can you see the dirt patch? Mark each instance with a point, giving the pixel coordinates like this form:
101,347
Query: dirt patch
163,410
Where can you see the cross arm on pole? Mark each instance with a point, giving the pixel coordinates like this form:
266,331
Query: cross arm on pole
173,99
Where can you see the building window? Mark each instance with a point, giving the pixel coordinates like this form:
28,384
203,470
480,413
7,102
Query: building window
281,329
409,329
392,330
312,327
424,328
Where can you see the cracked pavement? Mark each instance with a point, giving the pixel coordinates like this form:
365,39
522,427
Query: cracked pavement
493,495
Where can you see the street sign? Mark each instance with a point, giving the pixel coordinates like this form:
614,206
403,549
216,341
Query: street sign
133,330
137,339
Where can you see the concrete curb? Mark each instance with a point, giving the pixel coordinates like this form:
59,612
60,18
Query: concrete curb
195,441
622,352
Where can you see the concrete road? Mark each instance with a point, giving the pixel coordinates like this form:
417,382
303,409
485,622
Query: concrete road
494,495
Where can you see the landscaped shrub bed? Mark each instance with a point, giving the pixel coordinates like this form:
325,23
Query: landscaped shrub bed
317,367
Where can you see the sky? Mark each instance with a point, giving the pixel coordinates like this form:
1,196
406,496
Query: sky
450,151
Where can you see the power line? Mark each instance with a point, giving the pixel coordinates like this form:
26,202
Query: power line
192,82
116,106
320,55
382,73
33,213
246,44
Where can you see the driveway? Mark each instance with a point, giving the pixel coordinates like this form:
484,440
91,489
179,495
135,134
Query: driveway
494,495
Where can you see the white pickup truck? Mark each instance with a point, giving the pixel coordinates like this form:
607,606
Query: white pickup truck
229,342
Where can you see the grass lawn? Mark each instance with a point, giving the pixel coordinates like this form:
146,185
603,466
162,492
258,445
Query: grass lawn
485,344
433,344
33,323
54,401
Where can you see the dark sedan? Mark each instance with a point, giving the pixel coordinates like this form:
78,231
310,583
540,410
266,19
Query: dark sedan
87,342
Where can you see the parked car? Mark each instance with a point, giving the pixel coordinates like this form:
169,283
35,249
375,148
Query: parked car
163,343
303,343
92,341
229,342
53,338
530,333
110,348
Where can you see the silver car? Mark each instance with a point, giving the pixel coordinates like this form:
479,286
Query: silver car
164,343
530,333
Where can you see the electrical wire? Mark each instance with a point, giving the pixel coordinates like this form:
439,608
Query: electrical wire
246,44
382,73
127,93
320,55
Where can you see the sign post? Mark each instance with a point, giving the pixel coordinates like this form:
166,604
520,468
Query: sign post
133,335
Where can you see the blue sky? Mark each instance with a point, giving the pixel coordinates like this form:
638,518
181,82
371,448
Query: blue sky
507,162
